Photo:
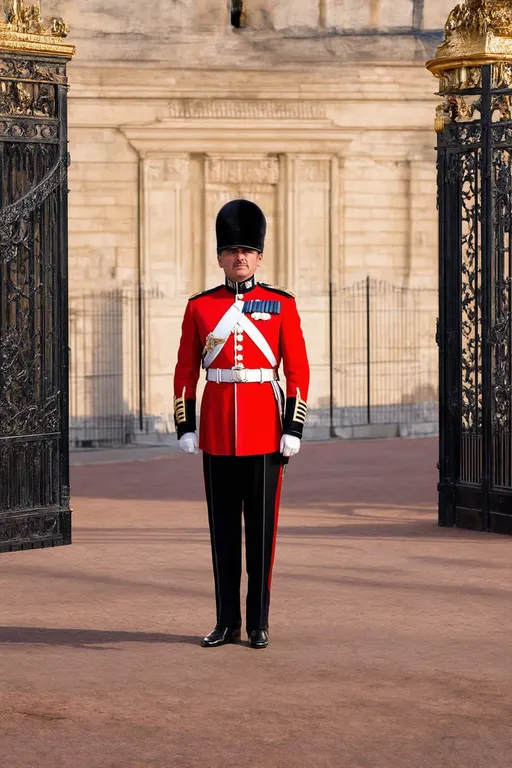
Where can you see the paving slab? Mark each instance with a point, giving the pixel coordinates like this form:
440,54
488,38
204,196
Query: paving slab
390,637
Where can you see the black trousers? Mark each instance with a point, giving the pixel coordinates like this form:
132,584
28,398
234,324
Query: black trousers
251,484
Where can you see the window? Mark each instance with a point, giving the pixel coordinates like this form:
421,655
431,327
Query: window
237,14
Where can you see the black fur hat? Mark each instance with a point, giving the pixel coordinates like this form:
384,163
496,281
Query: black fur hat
240,224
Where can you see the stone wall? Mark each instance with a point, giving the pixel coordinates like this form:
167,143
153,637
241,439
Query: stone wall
322,112
191,34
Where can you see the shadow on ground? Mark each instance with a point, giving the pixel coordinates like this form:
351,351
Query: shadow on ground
393,472
86,638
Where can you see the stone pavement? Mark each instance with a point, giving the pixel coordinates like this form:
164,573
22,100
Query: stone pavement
121,455
390,638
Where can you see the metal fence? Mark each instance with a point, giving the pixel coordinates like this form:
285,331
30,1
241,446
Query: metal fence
104,364
385,358
382,366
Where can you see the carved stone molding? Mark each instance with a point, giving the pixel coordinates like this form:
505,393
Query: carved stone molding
314,170
167,169
232,170
247,110
242,137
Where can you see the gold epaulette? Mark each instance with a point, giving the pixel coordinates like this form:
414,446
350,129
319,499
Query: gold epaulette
279,289
204,293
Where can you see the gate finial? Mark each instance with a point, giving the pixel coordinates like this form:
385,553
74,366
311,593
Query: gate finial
25,32
477,32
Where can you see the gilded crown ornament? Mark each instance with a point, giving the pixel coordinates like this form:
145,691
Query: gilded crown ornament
478,18
24,31
476,32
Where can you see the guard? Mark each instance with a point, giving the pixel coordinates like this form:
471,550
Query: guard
240,332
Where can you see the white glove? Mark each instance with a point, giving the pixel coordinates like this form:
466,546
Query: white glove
188,442
290,445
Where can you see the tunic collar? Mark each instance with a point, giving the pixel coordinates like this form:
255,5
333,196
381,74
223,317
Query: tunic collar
243,287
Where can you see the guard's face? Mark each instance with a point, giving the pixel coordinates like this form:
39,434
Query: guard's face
239,263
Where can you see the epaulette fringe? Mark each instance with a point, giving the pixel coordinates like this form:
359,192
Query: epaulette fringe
204,293
279,289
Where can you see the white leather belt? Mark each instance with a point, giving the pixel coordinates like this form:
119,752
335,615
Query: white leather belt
241,375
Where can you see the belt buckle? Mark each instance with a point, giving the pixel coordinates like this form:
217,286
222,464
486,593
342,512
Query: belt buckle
239,375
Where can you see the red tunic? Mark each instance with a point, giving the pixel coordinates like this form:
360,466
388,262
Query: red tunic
241,419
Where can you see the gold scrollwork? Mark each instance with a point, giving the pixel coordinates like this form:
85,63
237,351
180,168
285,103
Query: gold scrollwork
453,108
442,117
461,78
502,75
459,108
29,99
502,105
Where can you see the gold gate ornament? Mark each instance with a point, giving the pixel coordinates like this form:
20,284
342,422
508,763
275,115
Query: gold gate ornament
24,31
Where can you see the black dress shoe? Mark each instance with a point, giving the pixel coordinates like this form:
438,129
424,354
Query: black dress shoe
258,638
221,636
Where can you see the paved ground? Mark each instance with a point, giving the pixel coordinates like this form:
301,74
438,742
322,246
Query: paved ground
122,455
390,638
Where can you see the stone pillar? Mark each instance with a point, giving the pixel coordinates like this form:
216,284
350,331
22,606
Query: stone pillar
421,268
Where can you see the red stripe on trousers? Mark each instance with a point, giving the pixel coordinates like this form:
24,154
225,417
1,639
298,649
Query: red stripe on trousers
276,518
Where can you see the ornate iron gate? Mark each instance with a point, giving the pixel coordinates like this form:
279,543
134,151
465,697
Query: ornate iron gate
475,316
34,484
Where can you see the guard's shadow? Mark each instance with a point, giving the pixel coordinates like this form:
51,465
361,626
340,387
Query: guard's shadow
92,639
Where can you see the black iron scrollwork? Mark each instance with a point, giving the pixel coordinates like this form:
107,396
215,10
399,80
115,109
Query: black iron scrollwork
34,487
15,218
471,298
23,69
501,329
24,129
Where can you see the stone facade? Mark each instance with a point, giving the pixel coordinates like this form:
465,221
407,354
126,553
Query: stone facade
319,110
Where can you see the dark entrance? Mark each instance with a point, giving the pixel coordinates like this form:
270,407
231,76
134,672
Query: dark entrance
34,478
475,312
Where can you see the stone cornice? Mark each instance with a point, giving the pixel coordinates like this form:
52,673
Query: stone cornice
237,135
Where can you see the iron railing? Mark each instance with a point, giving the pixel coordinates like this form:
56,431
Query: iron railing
104,368
385,359
383,362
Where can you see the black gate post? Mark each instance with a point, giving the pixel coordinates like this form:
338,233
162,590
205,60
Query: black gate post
34,452
368,352
474,129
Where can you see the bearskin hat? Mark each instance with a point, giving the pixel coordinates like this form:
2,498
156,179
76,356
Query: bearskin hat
240,224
